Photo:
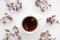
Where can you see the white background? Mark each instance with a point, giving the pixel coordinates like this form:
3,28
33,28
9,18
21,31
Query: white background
29,9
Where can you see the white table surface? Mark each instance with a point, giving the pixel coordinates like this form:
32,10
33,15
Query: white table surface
29,9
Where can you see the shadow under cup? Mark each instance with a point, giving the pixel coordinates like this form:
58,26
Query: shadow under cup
29,23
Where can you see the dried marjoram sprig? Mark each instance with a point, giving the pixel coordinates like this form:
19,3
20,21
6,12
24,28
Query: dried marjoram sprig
14,6
52,19
16,33
42,4
46,36
5,18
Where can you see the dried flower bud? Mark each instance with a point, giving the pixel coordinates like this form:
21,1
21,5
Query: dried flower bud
6,14
16,7
15,27
4,22
19,38
17,33
7,30
11,34
20,5
36,3
7,37
8,5
9,17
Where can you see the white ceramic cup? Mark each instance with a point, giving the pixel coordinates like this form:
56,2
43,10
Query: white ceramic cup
34,29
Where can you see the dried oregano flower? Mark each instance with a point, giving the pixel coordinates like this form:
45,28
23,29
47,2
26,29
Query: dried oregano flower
15,34
42,4
52,19
5,18
46,36
15,6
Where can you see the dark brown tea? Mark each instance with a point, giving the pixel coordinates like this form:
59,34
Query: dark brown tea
29,23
